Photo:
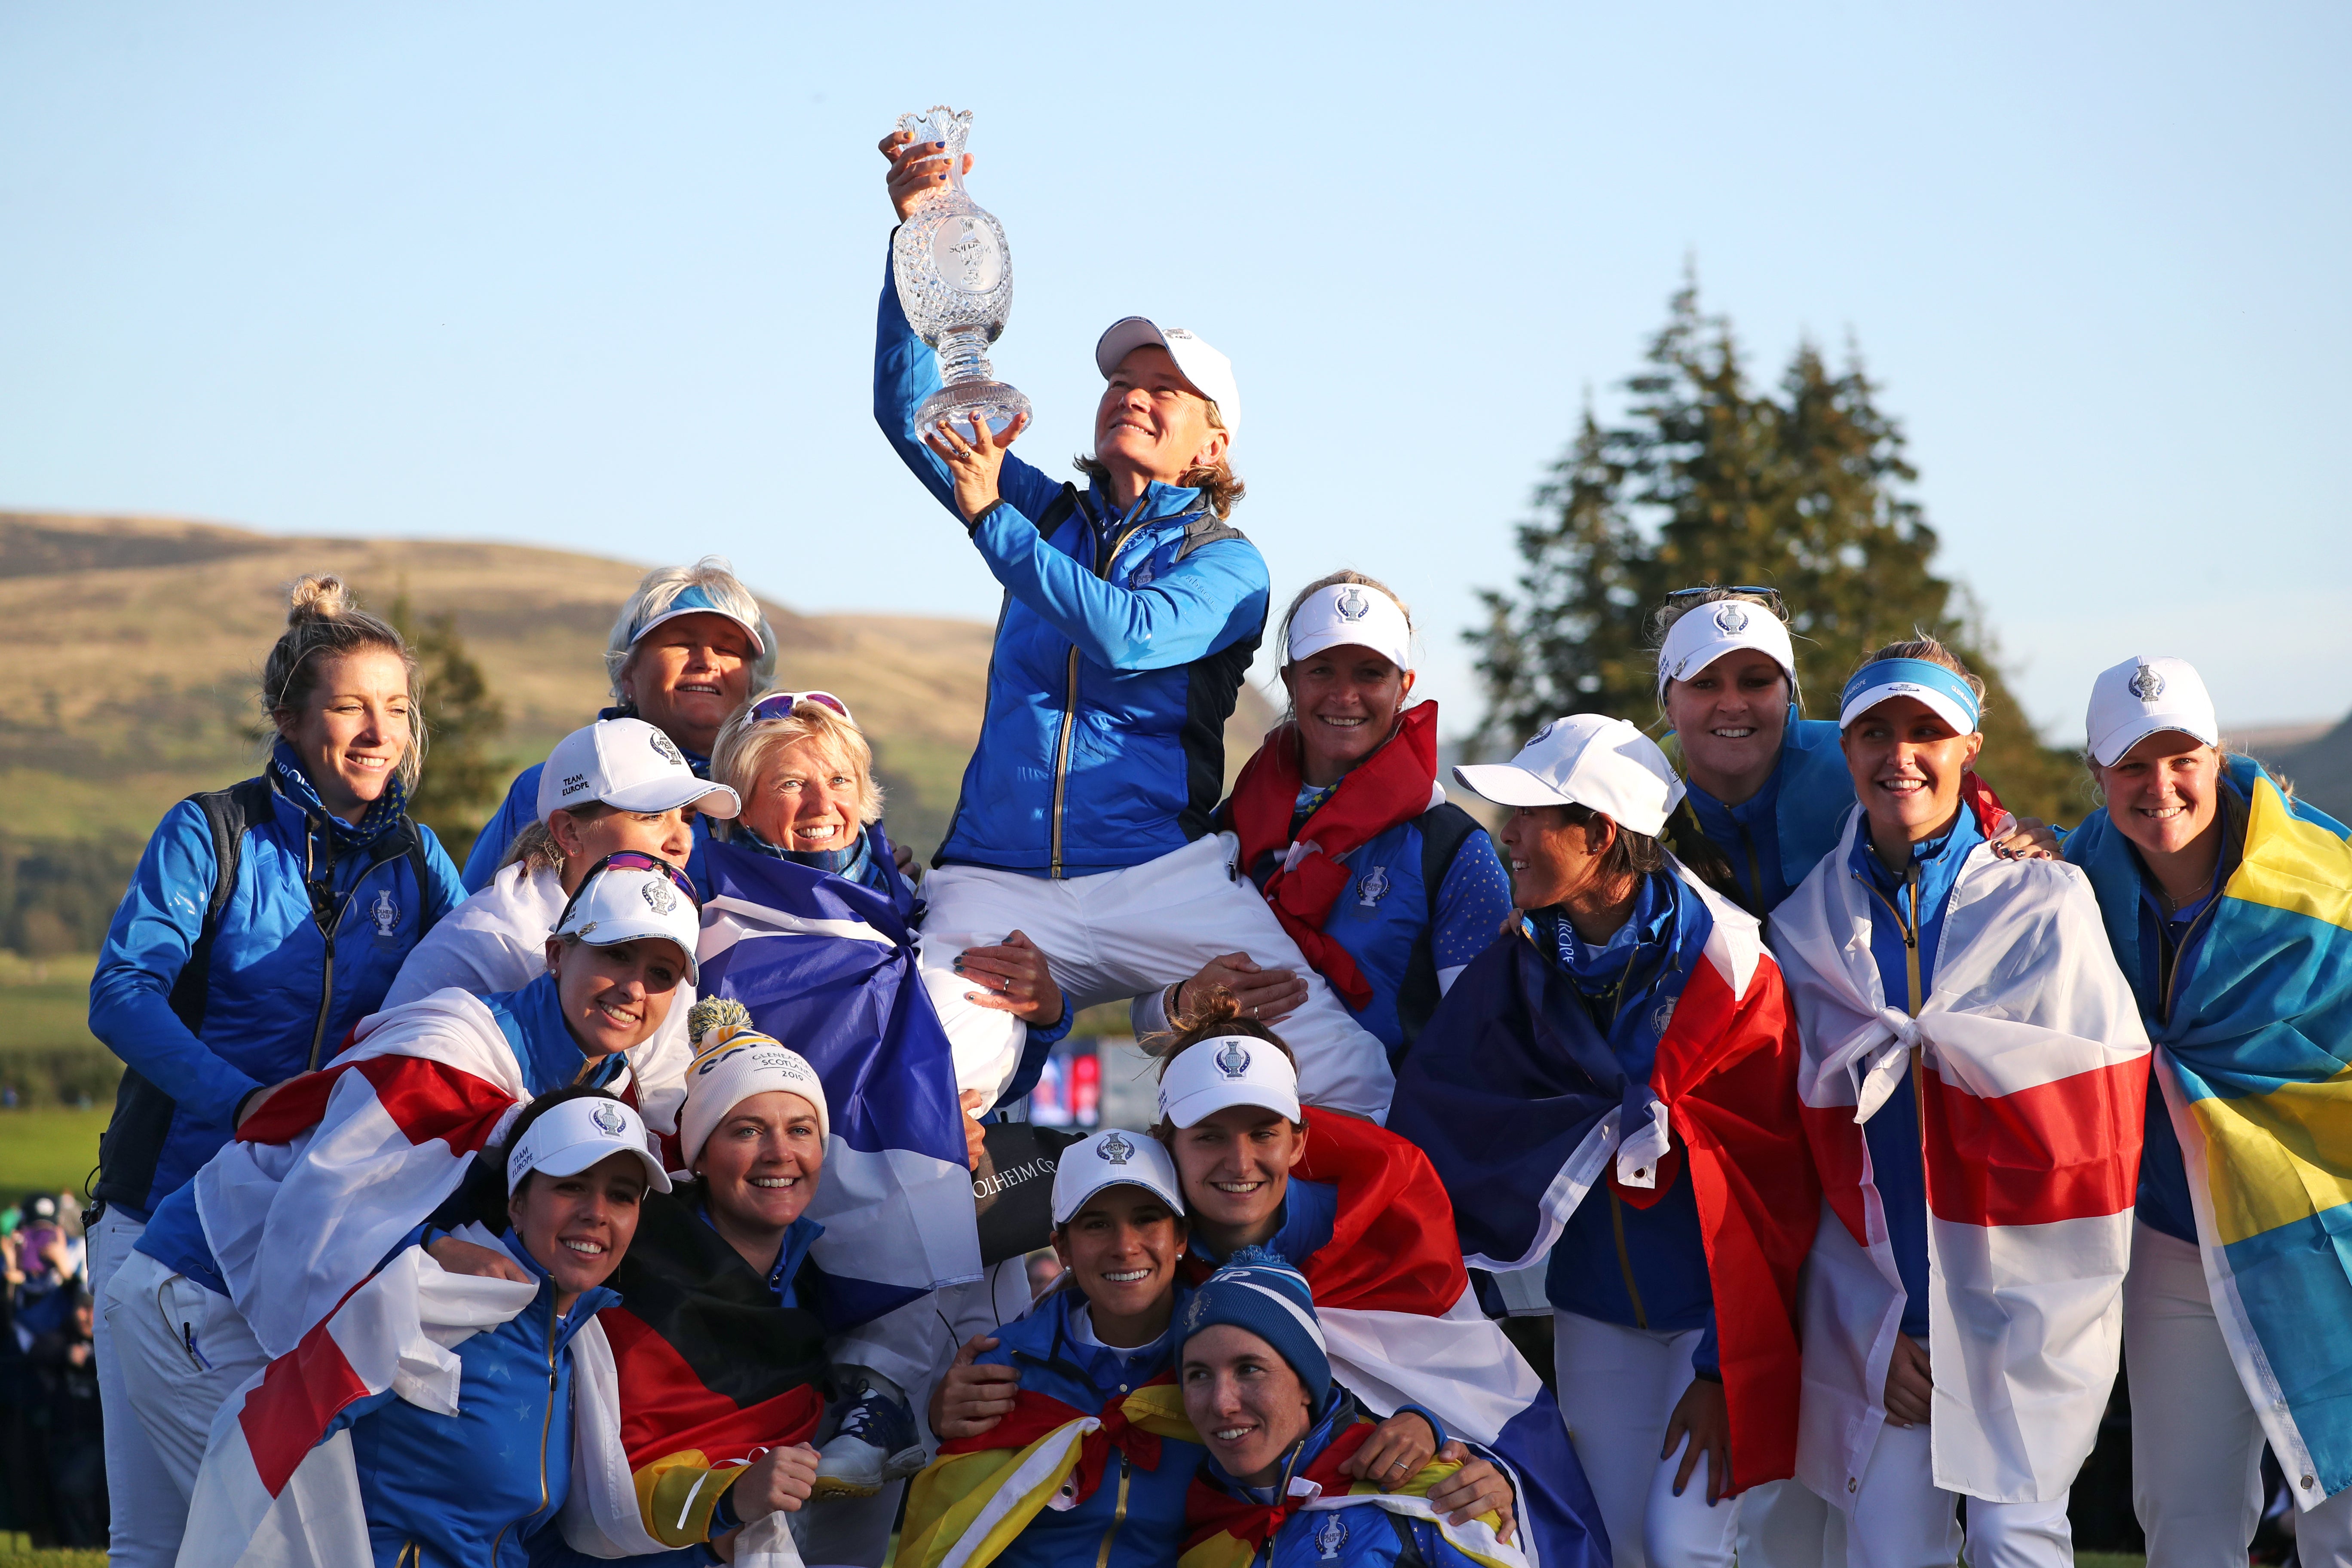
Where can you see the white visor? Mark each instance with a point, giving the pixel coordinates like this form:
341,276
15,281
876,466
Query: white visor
1109,1160
1229,1070
1350,614
1721,627
2144,696
581,1134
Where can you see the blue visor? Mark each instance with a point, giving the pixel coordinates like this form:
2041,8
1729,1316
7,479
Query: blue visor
1946,694
694,600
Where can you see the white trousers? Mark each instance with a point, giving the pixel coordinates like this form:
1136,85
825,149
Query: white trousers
1903,1519
145,1512
184,1349
1618,1387
2197,1449
1116,934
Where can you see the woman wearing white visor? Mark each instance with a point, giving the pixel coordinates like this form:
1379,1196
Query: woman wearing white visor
2206,870
1388,888
334,1171
1974,1080
1768,790
1614,1084
614,786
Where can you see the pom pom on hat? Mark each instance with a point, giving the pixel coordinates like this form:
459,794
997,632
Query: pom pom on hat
715,1012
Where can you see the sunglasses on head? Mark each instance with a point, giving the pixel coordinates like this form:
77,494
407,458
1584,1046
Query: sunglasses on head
630,860
780,705
1770,595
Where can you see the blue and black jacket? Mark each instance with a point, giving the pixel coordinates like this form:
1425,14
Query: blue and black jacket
1123,641
210,990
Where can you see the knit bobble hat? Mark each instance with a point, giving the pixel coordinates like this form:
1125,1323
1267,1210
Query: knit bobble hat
732,1062
1260,1291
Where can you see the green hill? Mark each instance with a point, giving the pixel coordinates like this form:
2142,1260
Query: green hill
138,642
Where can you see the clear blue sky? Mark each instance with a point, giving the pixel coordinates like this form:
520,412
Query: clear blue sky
603,275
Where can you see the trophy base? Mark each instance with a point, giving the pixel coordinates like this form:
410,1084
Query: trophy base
962,401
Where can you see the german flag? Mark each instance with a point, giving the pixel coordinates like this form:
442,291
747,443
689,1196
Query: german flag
711,1369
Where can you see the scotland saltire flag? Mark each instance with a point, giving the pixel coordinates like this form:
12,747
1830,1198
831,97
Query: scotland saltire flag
829,968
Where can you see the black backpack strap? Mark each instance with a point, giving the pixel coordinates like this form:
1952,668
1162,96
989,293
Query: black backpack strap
1444,828
1203,530
1058,511
427,909
1691,845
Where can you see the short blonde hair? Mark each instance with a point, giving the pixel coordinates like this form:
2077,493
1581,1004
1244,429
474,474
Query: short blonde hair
744,751
660,588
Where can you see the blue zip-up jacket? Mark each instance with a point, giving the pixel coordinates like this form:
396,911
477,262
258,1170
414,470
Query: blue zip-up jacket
532,1019
1053,1359
1123,640
1910,916
1775,837
482,1489
1615,1262
287,979
1364,1535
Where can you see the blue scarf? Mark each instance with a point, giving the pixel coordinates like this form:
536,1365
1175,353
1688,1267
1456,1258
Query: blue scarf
384,813
849,864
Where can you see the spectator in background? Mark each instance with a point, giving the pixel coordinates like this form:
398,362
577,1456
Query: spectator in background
1388,888
68,1421
687,648
261,925
613,785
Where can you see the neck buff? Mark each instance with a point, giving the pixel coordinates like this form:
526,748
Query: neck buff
1394,785
849,864
383,814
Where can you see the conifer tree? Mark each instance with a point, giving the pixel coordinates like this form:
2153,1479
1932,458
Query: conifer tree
461,781
1709,480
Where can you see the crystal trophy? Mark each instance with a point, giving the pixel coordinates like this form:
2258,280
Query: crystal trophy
955,283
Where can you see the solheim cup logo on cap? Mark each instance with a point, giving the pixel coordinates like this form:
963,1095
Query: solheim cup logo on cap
1352,605
2148,685
1233,1058
1538,738
609,1120
659,895
1332,1536
668,750
1730,619
1116,1149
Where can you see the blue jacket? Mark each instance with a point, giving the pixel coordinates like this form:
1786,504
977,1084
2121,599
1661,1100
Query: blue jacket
1614,1262
482,1489
1135,1518
1776,836
532,1019
287,979
1363,1535
1122,643
1910,919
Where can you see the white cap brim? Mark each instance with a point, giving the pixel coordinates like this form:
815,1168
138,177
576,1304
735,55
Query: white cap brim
669,793
2109,749
574,1158
1085,1169
612,933
1506,785
1194,1106
758,647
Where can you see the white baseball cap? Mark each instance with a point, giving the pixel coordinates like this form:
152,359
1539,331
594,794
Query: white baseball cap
618,904
1586,760
572,1137
628,763
1111,1159
1709,631
1211,373
1228,1070
2143,695
1350,614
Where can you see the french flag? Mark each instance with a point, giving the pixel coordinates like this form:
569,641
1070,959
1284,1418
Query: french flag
2031,1063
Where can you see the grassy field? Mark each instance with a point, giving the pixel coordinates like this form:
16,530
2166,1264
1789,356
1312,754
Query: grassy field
14,1553
49,1150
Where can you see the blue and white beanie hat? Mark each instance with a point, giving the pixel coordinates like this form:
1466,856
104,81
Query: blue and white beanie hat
1260,1291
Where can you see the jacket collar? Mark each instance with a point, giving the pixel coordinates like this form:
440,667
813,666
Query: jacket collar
1158,503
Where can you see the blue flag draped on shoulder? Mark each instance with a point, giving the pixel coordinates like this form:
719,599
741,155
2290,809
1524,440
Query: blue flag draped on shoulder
828,968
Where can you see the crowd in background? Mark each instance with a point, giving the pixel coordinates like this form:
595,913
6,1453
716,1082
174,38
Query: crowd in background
656,1187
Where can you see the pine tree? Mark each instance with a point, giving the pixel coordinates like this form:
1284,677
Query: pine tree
1710,481
461,780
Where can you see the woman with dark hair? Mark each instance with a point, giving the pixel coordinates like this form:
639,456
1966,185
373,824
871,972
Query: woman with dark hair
1389,889
1615,1083
1974,1082
263,921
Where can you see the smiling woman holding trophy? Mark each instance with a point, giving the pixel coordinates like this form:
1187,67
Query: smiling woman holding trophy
1132,610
